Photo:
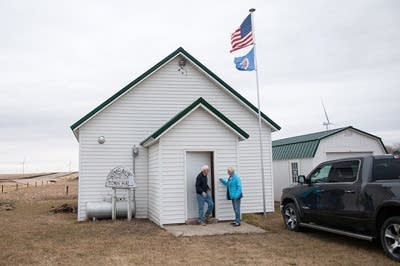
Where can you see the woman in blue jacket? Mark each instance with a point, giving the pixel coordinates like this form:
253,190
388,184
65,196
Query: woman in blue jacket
233,192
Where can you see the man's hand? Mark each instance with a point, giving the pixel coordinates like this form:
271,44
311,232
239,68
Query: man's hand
204,194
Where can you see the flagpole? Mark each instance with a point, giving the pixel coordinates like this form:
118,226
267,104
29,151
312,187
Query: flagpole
259,111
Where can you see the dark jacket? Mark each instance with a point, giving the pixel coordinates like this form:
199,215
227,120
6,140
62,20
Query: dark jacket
201,184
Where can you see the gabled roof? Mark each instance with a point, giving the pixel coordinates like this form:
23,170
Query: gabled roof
179,51
305,146
184,113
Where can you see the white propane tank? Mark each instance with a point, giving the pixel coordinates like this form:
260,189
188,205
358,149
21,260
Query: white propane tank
102,209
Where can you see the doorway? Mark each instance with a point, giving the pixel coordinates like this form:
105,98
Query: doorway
194,161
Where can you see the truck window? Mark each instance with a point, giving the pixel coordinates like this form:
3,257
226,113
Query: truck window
344,172
320,175
386,169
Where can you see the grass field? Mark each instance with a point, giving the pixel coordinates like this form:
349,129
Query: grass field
12,182
32,236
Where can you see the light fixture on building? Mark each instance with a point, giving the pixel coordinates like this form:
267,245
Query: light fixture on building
135,151
101,140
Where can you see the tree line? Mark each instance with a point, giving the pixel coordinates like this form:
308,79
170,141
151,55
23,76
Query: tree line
393,149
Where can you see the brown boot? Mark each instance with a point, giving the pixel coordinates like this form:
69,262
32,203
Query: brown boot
209,219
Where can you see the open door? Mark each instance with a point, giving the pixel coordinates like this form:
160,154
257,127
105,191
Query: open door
194,162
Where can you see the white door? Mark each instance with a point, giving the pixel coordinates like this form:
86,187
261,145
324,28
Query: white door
194,162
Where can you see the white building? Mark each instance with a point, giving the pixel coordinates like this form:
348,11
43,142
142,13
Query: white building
299,155
181,116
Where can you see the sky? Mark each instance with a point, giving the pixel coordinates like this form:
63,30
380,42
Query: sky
60,59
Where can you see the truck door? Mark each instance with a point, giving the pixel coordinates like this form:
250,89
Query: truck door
309,196
339,197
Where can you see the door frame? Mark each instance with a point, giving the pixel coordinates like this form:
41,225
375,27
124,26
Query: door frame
212,175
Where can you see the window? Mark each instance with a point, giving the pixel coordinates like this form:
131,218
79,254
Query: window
320,175
340,172
295,171
386,169
344,172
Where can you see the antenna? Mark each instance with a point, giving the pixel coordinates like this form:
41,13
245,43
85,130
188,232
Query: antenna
327,123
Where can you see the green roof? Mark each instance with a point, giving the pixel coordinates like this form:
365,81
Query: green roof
199,102
178,51
305,146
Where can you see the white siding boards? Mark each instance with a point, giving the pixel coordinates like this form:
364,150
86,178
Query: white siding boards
154,181
224,123
198,132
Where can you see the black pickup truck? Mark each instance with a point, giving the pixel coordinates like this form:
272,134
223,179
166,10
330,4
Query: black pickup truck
357,197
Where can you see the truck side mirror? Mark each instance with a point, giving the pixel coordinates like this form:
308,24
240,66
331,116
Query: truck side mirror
301,179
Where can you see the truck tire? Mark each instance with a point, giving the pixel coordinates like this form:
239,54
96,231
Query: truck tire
390,237
291,217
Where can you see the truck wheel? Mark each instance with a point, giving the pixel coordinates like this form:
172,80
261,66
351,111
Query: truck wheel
291,217
390,237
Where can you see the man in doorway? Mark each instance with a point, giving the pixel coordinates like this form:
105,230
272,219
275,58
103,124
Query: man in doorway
204,195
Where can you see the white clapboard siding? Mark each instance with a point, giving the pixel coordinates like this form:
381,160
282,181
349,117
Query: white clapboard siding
97,160
198,131
154,184
283,173
141,111
350,142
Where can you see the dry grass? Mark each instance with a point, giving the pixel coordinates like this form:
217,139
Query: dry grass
29,235
9,182
6,177
45,192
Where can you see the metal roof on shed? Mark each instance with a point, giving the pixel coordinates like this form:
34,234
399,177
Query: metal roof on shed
305,146
295,150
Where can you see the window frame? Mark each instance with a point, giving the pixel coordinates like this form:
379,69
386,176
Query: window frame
319,166
292,178
333,163
373,171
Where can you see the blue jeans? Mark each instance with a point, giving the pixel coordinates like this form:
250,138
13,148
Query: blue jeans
236,209
201,200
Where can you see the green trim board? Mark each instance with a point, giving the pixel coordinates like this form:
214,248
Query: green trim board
178,51
199,102
305,146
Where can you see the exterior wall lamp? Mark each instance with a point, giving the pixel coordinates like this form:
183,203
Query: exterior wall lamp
101,140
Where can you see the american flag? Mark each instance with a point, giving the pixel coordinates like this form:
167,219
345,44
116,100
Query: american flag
243,36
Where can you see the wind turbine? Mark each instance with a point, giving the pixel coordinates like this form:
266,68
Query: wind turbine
23,166
327,123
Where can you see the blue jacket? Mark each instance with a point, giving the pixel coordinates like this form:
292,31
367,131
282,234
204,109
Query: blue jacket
234,187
